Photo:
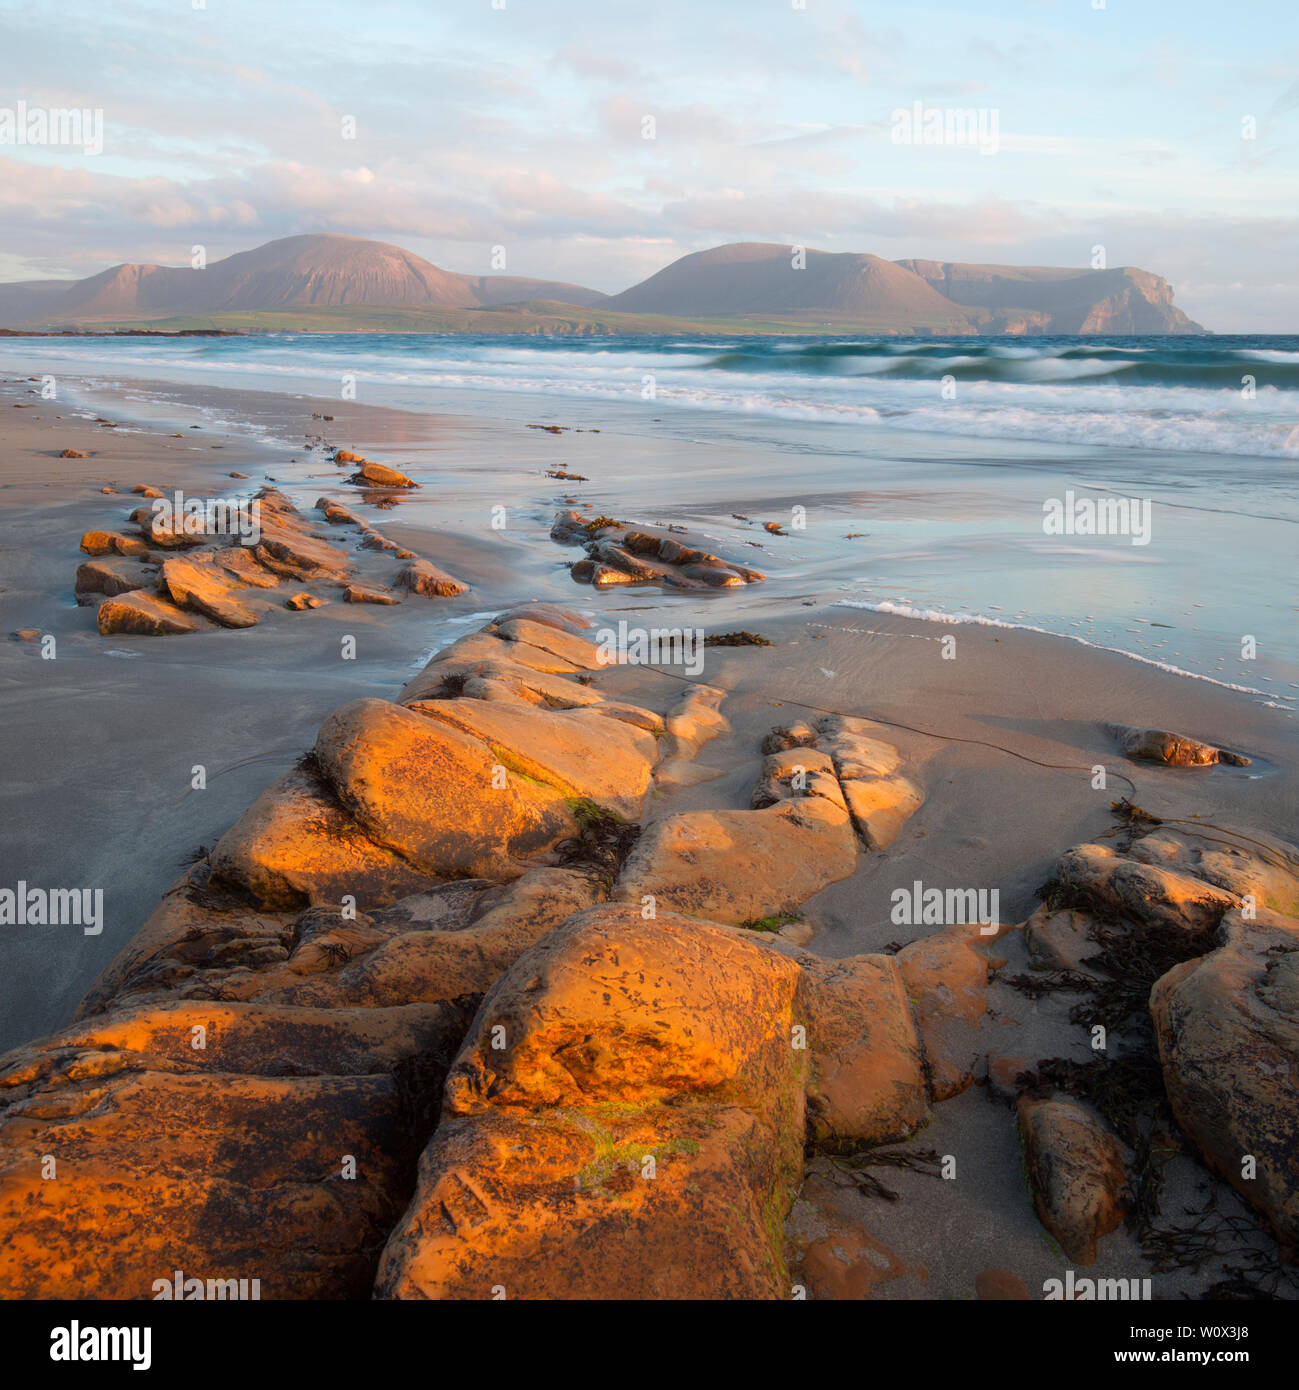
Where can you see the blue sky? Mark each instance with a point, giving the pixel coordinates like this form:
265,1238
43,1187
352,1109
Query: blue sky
522,127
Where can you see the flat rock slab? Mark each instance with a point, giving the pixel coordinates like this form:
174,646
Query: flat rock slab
146,615
606,761
436,795
740,866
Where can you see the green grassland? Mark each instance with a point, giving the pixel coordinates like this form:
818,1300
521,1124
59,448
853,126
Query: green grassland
536,316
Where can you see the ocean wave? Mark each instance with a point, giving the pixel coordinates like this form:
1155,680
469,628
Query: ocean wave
1157,393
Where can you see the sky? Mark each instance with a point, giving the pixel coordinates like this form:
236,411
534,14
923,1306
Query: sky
1165,133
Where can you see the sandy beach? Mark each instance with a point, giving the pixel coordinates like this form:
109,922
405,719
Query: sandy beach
1002,728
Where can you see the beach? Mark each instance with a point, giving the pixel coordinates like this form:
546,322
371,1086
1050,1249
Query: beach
878,606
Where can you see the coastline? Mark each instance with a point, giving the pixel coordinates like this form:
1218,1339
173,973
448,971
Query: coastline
238,701
1003,738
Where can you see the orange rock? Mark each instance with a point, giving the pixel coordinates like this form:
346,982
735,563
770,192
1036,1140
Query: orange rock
421,577
378,474
439,797
295,845
1075,1170
362,593
146,615
946,978
740,866
206,588
72,454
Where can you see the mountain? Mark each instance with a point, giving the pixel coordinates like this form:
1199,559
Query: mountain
326,271
760,278
350,283
1045,299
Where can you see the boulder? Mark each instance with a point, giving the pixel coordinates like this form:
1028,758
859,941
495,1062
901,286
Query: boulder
295,844
110,577
1098,876
364,593
159,1168
146,615
1174,750
616,1125
436,795
204,587
946,978
1075,1171
379,475
1227,1026
880,806
421,577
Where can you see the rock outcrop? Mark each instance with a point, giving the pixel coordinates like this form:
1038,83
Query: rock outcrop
174,579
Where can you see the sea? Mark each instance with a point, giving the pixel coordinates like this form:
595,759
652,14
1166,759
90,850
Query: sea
1137,493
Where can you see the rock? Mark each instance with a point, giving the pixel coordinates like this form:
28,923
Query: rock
445,958
538,1179
947,980
1174,750
72,454
295,845
1227,1026
243,566
111,577
1075,1171
550,615
880,806
144,490
362,593
289,549
146,615
856,748
584,758
441,678
337,514
796,772
217,1174
1060,940
347,456
577,653
110,543
299,602
740,866
1097,876
796,735
434,794
27,634
205,588
377,474
1243,861
867,1083
421,577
